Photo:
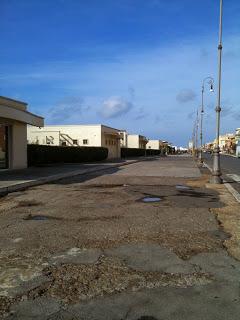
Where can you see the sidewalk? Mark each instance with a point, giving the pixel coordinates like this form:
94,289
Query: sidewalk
145,241
15,180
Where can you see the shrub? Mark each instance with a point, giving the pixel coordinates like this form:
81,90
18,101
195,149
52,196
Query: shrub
153,152
41,154
132,152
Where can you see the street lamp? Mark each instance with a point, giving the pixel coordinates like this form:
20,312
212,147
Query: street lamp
210,81
216,173
195,135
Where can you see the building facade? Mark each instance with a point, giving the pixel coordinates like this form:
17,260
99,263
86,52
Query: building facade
237,141
124,139
154,144
136,141
14,119
78,135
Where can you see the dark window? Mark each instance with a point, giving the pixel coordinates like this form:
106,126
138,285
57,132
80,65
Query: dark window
85,141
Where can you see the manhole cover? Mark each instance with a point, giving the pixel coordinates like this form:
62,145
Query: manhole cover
151,199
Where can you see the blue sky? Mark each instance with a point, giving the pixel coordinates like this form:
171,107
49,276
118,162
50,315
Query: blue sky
131,64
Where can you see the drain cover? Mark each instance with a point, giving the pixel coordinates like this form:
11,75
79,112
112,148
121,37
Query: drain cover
151,199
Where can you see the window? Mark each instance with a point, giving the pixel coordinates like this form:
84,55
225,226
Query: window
64,143
75,141
85,141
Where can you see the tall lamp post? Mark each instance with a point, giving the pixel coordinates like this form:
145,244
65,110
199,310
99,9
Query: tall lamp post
216,173
210,81
196,135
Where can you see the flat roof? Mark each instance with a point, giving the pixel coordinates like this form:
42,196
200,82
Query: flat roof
80,125
13,100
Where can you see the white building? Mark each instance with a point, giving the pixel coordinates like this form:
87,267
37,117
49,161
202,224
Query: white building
14,118
124,139
154,144
78,135
237,139
136,141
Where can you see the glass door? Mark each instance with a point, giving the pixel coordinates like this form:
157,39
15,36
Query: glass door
3,147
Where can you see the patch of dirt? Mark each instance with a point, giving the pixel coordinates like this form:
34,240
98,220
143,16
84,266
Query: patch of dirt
72,283
188,244
200,182
229,220
5,304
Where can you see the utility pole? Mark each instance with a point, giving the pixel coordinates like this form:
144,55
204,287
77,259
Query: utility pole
216,173
210,82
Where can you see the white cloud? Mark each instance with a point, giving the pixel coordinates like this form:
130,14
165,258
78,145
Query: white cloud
114,107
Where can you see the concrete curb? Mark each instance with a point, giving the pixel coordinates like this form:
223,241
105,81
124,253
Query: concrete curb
227,185
59,176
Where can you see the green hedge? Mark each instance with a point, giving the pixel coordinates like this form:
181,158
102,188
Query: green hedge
134,152
40,154
153,152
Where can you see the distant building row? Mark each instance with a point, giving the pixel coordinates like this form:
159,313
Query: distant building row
19,127
228,143
92,136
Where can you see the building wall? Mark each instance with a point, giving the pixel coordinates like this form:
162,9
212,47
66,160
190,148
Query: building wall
91,134
153,144
133,141
111,139
124,139
17,145
84,135
14,115
36,136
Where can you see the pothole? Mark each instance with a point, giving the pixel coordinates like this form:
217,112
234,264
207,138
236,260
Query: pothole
25,203
39,217
147,318
151,199
182,187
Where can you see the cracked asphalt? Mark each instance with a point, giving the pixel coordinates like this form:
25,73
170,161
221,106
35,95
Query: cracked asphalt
90,247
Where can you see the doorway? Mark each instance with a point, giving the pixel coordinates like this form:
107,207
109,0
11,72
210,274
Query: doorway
3,146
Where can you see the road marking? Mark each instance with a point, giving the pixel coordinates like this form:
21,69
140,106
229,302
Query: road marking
234,192
234,177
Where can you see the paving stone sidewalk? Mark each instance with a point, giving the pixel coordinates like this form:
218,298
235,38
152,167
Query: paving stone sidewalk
91,248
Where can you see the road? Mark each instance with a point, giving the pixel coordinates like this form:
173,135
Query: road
136,242
230,167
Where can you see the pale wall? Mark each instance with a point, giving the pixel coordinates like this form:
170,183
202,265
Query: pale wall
153,144
91,133
97,136
37,136
133,141
18,146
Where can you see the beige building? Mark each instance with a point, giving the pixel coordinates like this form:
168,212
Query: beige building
224,141
154,144
136,141
78,135
14,118
237,140
124,139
